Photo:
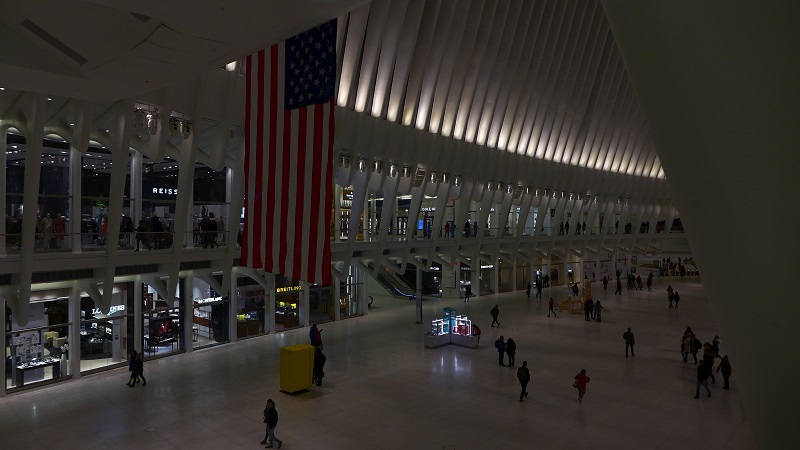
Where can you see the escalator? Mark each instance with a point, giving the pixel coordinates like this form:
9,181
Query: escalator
391,283
430,287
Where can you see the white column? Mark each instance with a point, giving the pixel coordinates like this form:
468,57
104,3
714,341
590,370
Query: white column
269,301
138,300
418,292
3,317
187,300
74,333
303,305
337,290
75,191
136,187
3,147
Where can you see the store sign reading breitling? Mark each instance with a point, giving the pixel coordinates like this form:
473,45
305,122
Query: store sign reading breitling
288,289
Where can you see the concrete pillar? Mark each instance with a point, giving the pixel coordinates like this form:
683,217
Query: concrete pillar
138,301
75,194
3,212
74,333
717,83
187,301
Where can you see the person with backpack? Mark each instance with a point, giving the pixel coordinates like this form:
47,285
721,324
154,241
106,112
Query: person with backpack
495,312
524,377
500,345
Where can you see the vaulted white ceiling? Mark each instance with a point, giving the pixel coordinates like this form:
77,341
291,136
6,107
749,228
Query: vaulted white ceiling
538,78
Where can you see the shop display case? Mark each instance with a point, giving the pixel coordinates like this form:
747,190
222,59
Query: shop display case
451,329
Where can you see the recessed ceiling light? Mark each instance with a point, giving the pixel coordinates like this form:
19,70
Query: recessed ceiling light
72,124
13,146
49,99
2,89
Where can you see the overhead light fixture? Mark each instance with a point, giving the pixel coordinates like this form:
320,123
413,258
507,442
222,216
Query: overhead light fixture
377,166
490,185
344,160
434,177
174,126
362,165
445,177
392,170
457,180
186,129
231,66
139,117
152,123
509,188
406,171
49,99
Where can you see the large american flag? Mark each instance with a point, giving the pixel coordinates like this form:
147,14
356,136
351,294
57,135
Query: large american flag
288,156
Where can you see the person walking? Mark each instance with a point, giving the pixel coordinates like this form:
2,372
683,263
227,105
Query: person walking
580,382
725,368
447,230
619,287
138,371
598,311
528,290
708,358
703,373
605,283
475,228
319,365
271,419
670,295
538,290
687,341
511,351
524,376
550,309
588,307
132,368
468,294
629,341
650,281
500,345
676,297
495,312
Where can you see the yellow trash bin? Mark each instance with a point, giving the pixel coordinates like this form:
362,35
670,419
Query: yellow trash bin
297,367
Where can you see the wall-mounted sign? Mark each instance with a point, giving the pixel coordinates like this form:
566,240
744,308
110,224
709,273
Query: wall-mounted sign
111,311
208,300
164,191
288,289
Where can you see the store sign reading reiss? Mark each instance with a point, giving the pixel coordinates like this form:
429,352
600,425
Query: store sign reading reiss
288,289
165,191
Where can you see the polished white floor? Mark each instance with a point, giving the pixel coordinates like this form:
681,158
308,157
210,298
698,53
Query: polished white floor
384,390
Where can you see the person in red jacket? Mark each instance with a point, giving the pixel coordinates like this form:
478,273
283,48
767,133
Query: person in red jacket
580,382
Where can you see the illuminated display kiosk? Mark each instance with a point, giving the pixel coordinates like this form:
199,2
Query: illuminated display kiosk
453,329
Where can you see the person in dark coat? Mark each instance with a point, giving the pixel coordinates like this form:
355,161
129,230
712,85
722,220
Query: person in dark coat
619,287
725,368
605,282
528,290
524,376
588,307
511,351
495,312
629,341
319,365
550,309
500,345
271,419
132,368
703,372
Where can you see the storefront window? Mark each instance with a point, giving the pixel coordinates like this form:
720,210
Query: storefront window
210,316
250,309
159,194
39,352
103,335
287,301
350,293
210,212
162,324
320,303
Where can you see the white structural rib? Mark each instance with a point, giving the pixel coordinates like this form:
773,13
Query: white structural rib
542,79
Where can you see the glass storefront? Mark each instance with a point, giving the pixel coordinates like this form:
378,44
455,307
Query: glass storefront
250,309
104,335
320,303
287,302
38,352
209,317
161,324
350,293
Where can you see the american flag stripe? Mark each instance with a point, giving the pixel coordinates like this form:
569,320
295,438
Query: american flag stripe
288,183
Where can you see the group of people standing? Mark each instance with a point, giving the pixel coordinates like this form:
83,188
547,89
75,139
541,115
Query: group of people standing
690,344
593,310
